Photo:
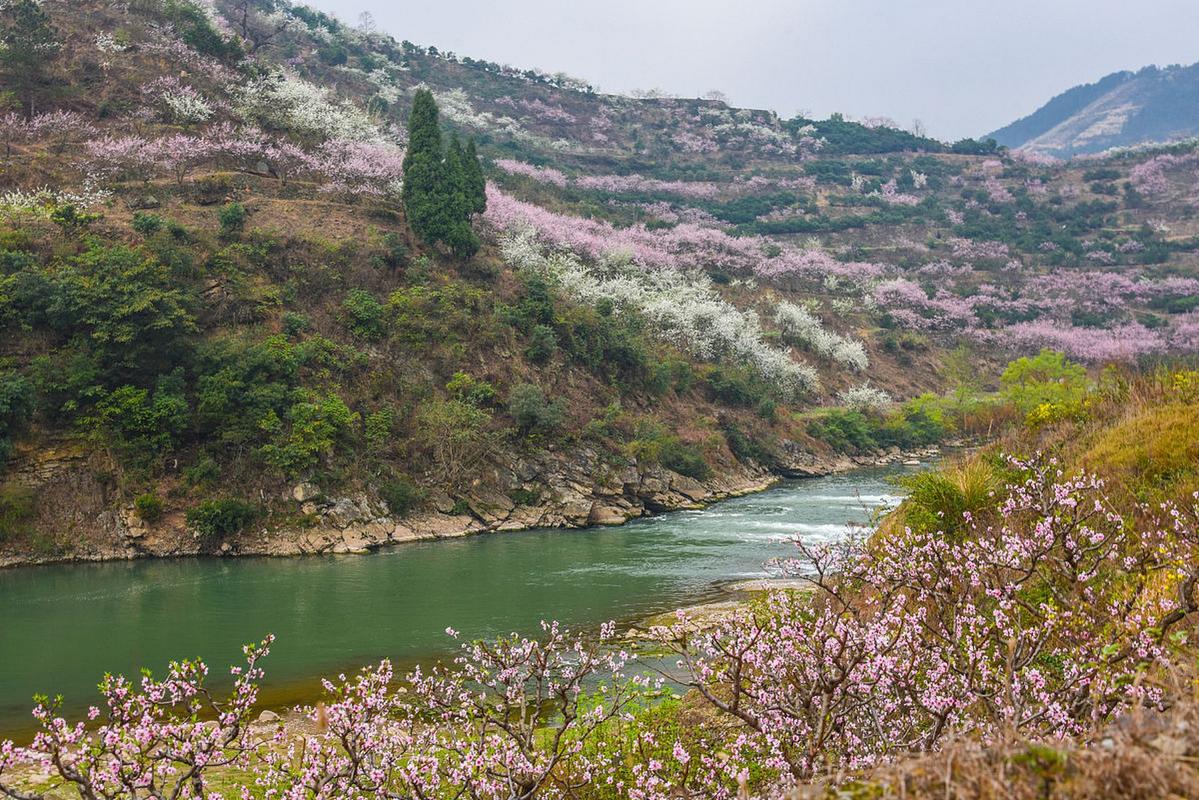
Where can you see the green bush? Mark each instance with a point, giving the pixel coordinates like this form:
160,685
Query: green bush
471,390
217,519
400,495
311,427
148,506
395,252
737,387
844,431
379,428
233,219
147,224
533,414
746,447
295,324
16,405
543,343
144,426
684,459
525,497
364,315
1047,380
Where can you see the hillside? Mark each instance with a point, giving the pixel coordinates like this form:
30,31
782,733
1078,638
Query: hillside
1124,109
221,334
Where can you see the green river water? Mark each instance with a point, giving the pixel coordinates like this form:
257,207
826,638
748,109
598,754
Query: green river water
62,627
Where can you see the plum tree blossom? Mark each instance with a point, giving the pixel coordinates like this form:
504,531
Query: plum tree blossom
681,308
179,102
284,102
803,328
865,398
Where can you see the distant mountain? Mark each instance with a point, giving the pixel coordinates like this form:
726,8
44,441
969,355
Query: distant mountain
1125,108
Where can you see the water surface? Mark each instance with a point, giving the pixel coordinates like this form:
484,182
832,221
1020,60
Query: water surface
63,626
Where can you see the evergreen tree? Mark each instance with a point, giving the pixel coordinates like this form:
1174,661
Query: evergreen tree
440,192
29,46
462,240
429,206
475,180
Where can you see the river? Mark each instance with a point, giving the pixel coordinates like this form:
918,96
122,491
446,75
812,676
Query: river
63,626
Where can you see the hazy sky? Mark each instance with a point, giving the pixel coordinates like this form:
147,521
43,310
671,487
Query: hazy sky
962,67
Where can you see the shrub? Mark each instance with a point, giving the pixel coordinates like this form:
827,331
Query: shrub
233,219
684,459
543,343
844,431
379,428
525,497
746,447
456,436
312,427
400,495
364,315
1047,384
471,390
294,324
939,501
148,506
395,251
16,404
71,220
147,224
533,414
144,426
218,519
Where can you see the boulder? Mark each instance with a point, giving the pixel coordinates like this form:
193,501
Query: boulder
305,492
345,512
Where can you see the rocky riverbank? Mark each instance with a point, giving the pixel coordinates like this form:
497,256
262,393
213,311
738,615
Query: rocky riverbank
573,489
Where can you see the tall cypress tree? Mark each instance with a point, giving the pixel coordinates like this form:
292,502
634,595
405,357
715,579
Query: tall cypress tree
29,46
461,240
440,183
429,206
474,177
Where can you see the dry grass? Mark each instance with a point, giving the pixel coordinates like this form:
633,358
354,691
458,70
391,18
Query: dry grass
1142,756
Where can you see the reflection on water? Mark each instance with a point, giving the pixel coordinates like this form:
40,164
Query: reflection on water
62,627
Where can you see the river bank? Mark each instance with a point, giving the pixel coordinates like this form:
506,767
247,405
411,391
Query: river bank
571,490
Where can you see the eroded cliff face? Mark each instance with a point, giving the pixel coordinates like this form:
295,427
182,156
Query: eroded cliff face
79,515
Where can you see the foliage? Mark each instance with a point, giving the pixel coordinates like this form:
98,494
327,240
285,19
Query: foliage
442,188
654,444
233,218
308,431
148,506
543,343
17,505
472,390
400,495
16,406
533,414
219,518
947,499
456,435
1045,387
145,425
364,315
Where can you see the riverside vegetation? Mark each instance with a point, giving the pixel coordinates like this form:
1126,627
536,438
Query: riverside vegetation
270,283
